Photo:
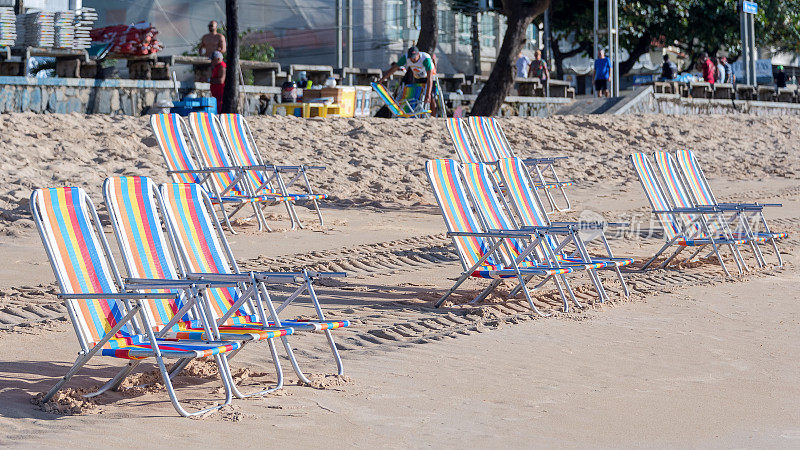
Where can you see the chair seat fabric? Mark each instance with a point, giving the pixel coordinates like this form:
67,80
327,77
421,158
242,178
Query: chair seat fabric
136,347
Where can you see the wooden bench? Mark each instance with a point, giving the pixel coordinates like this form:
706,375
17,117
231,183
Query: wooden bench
560,89
766,93
786,95
746,92
724,91
450,82
700,89
360,77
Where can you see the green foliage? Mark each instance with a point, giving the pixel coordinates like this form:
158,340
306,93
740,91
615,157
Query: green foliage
692,25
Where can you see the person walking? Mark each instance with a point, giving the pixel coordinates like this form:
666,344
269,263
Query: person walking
602,74
523,64
780,78
539,68
707,68
218,71
720,75
669,70
730,77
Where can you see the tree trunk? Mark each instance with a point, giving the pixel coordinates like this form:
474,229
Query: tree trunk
475,41
642,46
501,79
230,96
429,27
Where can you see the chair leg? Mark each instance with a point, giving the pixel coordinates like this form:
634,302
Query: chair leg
82,359
570,292
674,254
658,253
278,370
114,383
488,290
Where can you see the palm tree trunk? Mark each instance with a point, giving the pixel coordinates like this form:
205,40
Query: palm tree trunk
429,27
501,79
230,96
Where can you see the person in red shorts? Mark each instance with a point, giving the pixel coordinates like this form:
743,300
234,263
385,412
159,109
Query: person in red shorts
218,69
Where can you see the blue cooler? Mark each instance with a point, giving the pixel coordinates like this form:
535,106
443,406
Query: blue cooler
197,104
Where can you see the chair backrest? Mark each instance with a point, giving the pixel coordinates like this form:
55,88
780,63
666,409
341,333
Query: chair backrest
412,96
655,194
242,146
521,192
213,150
176,149
81,260
486,148
201,245
695,179
387,99
133,204
673,181
461,140
448,188
503,149
491,206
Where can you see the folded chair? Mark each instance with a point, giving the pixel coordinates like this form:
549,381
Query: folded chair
493,145
181,157
108,320
262,176
462,142
134,205
493,211
734,226
684,227
398,110
215,154
204,253
484,253
530,212
750,214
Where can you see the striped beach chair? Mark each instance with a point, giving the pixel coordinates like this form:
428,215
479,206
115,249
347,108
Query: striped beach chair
684,227
214,154
493,146
205,253
267,178
462,141
103,314
181,156
403,110
134,204
734,226
751,215
530,213
483,253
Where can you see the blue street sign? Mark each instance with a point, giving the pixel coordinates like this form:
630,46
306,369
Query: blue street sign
750,7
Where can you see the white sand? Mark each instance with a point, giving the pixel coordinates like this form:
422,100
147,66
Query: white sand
688,360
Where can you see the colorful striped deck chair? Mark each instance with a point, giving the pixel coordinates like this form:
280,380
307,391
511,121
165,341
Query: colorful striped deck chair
530,213
684,227
483,253
262,176
493,145
134,205
398,110
462,142
182,166
734,226
214,153
204,252
750,214
103,314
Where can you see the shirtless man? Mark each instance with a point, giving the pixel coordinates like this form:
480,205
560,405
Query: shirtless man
213,41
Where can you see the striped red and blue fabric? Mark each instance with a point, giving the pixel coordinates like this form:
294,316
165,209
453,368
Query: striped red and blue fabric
244,151
695,178
169,134
455,126
486,148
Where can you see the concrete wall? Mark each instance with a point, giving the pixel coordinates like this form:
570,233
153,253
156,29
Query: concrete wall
674,104
125,97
